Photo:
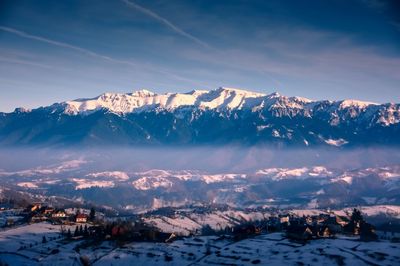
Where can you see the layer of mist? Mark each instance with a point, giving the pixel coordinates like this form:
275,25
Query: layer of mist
208,159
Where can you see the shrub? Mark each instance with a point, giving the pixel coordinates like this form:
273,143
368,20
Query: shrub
168,257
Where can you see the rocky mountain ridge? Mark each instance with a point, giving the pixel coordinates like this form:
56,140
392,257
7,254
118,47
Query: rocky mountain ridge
221,116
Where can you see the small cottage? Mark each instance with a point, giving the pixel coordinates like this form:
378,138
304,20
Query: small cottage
81,218
59,214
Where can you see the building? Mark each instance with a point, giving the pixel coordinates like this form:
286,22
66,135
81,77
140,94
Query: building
81,218
48,211
324,231
284,219
38,218
59,214
35,206
6,206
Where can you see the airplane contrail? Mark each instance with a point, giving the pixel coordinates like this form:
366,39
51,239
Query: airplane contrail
23,62
164,21
62,44
93,54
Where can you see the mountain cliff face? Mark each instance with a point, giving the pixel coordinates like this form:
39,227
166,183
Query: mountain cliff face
221,116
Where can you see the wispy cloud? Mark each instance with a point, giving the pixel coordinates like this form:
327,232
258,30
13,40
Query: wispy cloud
23,62
63,45
296,59
165,21
97,55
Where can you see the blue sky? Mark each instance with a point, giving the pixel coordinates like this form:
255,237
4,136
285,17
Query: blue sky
53,51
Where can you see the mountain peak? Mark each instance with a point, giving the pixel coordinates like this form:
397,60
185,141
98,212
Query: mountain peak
143,93
22,110
239,91
274,95
354,103
197,92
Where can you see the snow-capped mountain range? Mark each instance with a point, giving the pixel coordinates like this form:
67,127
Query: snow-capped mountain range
144,100
223,115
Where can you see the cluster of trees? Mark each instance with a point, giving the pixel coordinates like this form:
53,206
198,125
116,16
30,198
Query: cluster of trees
358,226
79,231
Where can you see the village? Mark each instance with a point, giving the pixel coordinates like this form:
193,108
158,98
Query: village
40,231
39,212
77,223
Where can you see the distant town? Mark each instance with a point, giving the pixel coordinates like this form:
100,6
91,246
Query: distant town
88,227
95,225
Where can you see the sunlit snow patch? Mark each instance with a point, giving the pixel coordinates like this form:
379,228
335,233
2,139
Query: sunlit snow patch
336,142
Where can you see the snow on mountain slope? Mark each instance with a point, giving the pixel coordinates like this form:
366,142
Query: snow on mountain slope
388,114
295,173
220,178
162,178
199,117
354,103
226,98
220,99
233,99
84,183
336,142
190,223
27,185
388,175
156,175
112,174
322,186
152,182
392,211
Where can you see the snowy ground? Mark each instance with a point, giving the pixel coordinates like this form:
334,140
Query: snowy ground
271,249
23,245
191,223
187,223
267,249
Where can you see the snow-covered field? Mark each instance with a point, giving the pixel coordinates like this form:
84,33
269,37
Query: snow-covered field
266,249
23,245
390,211
192,223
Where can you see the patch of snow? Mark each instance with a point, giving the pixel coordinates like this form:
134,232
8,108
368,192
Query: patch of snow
292,172
354,103
345,178
85,183
336,142
218,178
27,185
112,174
151,182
